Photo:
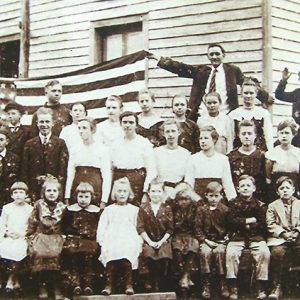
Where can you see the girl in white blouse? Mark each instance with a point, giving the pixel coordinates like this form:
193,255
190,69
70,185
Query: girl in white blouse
90,163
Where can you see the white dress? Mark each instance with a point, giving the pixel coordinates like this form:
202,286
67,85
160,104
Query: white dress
134,154
215,166
95,155
171,165
14,219
108,132
70,134
117,234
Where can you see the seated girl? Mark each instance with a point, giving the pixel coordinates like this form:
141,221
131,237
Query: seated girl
117,235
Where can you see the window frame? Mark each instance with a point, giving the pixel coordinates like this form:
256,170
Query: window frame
12,38
96,46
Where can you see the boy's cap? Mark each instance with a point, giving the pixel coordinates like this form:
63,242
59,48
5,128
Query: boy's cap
5,132
14,105
19,185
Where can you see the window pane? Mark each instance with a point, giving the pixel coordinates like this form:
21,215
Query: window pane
9,59
113,46
135,42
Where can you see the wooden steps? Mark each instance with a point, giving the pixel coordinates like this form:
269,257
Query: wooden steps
150,296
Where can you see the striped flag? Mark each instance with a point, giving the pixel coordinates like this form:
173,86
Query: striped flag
123,76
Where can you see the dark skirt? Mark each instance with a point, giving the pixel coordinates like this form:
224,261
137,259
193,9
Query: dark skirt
185,243
92,176
165,251
201,183
136,178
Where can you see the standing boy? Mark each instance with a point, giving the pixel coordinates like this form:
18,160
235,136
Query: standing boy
9,168
19,134
61,114
44,154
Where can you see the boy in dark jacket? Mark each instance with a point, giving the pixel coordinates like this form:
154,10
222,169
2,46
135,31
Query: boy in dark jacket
247,223
211,232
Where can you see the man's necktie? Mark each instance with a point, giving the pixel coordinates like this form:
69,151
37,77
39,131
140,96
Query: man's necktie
45,141
212,85
1,165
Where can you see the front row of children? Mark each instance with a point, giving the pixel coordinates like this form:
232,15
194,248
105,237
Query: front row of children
127,237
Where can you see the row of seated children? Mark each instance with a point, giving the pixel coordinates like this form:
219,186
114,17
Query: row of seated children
180,229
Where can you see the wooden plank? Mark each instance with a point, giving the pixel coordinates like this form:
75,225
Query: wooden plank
54,54
200,18
10,30
53,71
60,45
60,37
62,29
285,34
207,6
7,16
285,54
288,6
150,296
216,37
8,7
284,24
201,49
281,64
282,13
280,43
70,61
221,26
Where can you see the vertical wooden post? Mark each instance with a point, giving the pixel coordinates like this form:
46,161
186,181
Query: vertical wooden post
267,76
24,39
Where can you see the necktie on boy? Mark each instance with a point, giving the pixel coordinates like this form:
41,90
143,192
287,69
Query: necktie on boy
212,85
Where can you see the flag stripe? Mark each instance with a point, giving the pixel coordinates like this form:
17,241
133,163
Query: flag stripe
123,76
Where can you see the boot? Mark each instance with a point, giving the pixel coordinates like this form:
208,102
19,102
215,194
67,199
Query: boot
260,290
184,281
56,283
275,292
233,290
224,288
109,279
206,287
43,293
128,282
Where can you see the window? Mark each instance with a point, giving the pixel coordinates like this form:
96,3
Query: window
118,41
114,38
9,58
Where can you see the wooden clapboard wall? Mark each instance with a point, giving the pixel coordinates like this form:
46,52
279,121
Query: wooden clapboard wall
285,49
9,20
61,36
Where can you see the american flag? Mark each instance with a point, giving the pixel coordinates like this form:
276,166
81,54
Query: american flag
123,76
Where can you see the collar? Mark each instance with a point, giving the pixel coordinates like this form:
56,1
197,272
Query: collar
51,106
219,68
42,137
14,126
91,208
3,153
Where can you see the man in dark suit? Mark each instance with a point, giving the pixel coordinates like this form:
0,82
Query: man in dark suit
19,134
9,168
44,154
292,97
218,77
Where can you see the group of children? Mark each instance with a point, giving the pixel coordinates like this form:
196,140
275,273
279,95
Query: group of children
138,192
